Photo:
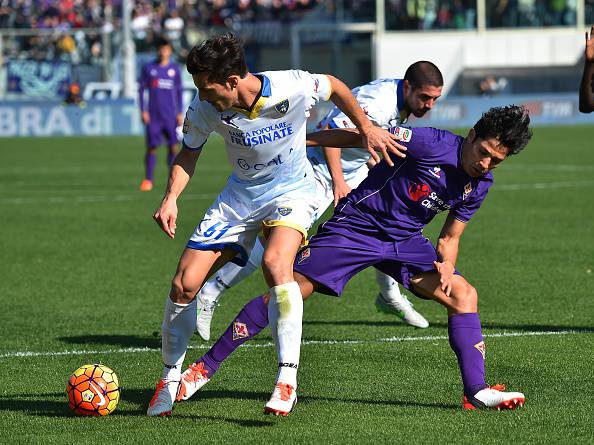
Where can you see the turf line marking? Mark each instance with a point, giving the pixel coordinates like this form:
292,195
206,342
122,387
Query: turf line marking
19,354
212,196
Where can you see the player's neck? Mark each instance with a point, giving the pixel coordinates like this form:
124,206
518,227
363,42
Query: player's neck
248,91
164,61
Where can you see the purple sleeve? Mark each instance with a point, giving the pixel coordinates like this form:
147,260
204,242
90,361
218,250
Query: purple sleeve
179,91
465,210
142,85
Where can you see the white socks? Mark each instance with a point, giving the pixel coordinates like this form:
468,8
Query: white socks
388,285
231,274
179,323
285,311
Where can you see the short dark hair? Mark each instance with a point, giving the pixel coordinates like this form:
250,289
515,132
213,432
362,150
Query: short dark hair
423,73
161,41
509,125
221,56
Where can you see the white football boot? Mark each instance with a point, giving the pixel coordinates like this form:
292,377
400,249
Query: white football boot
204,313
192,379
494,397
400,306
282,401
162,402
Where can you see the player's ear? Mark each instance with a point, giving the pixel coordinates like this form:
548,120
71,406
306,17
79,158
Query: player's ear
471,135
233,81
406,87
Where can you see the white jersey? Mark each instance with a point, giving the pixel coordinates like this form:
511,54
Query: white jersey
265,146
382,101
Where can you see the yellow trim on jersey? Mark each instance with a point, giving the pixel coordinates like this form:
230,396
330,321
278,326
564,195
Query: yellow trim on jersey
255,112
330,85
267,225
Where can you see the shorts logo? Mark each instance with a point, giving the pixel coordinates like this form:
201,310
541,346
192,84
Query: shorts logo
480,346
467,190
418,191
436,171
305,254
240,330
186,126
282,107
405,134
284,211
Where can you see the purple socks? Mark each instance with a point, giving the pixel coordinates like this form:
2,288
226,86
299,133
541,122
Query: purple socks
150,159
466,340
248,323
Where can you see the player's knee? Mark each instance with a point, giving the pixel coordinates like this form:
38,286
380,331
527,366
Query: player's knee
182,291
465,299
273,262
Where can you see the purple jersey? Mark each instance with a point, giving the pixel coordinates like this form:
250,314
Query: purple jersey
165,91
402,199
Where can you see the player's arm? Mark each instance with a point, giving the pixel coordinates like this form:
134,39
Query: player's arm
142,86
181,171
586,94
447,251
374,138
339,137
333,160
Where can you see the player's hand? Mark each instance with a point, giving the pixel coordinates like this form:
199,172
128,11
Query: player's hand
446,273
377,139
589,54
166,216
180,119
146,117
340,189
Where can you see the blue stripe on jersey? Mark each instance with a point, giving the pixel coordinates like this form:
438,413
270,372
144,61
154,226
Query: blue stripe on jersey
400,95
240,261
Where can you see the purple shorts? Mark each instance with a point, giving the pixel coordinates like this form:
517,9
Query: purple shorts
346,244
156,129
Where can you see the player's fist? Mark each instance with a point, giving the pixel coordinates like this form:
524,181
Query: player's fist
340,190
146,117
166,216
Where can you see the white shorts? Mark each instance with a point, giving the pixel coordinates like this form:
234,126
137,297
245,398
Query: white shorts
324,196
234,220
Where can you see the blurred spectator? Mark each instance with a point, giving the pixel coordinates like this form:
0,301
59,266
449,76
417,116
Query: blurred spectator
490,86
73,96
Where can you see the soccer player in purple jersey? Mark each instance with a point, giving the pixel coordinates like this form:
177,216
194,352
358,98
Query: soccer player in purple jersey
163,113
380,224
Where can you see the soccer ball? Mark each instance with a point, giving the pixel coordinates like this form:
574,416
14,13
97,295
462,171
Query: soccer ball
93,390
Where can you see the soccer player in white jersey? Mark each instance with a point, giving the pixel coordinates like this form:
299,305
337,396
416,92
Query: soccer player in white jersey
387,103
262,118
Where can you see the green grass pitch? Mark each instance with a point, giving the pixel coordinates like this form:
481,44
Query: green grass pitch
85,271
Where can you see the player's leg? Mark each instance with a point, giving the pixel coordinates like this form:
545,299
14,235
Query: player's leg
179,320
153,140
252,318
466,340
226,277
172,141
285,312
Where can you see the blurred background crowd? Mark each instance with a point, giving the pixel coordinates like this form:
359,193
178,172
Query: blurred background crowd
177,19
